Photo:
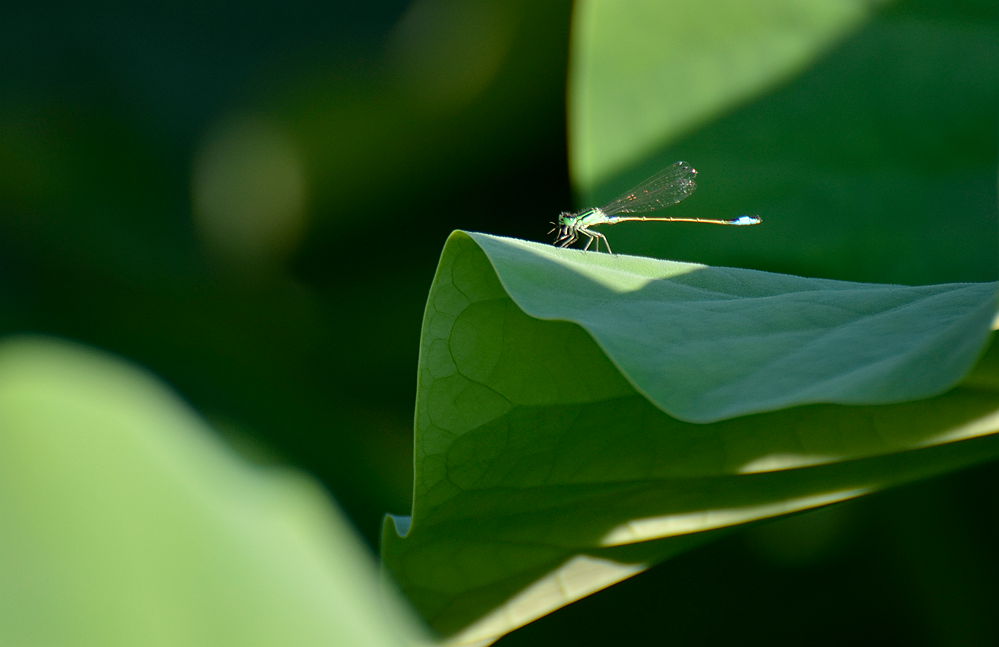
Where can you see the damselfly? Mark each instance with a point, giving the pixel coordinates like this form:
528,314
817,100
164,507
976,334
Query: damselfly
669,186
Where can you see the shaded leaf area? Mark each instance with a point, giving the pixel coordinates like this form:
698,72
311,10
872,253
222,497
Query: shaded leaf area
549,466
126,523
864,139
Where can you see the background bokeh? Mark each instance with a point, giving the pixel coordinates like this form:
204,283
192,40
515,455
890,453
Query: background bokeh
250,203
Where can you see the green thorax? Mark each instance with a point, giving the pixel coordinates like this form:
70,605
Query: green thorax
585,218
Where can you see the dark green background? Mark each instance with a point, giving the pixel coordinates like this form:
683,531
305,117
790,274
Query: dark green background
307,356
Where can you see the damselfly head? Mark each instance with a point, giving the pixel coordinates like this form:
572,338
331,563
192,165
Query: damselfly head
563,230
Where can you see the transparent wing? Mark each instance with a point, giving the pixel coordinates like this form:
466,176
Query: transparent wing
664,189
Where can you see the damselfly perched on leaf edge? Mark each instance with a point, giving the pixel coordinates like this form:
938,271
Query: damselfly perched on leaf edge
666,188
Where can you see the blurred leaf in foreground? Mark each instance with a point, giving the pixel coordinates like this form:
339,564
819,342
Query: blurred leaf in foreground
126,523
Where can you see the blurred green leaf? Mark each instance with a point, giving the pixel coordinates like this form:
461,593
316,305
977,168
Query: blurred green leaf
125,523
646,71
863,133
552,455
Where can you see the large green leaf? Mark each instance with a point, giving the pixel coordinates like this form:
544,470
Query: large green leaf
557,444
125,523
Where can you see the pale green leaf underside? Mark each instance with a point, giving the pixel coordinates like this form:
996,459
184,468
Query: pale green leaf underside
125,523
709,343
552,456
